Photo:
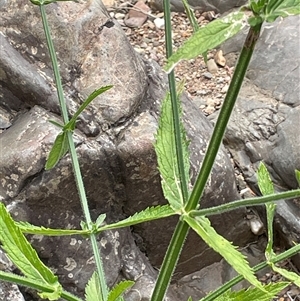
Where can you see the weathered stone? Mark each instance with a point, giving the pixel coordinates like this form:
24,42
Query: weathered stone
8,291
278,45
264,125
199,284
137,15
142,178
80,33
202,5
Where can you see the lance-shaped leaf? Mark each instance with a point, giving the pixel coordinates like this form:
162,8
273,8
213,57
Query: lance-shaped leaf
208,37
58,150
28,228
149,214
71,124
236,259
119,289
252,294
264,180
165,149
21,253
266,187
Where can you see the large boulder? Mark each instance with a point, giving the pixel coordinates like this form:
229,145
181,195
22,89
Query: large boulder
114,142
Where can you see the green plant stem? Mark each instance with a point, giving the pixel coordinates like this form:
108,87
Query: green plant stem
170,261
175,107
74,158
221,124
54,61
246,202
23,281
181,230
287,254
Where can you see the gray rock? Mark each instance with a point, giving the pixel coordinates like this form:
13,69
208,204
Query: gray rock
265,123
202,5
199,284
8,291
277,46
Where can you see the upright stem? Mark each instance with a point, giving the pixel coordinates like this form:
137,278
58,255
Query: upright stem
74,158
175,107
181,230
220,127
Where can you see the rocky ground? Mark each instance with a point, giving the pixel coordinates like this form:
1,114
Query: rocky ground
206,84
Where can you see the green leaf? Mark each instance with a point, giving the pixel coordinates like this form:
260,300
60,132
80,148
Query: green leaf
25,258
149,214
28,228
266,187
71,124
119,289
92,289
56,124
165,149
208,37
100,220
297,173
264,180
257,6
58,150
256,294
280,8
190,299
201,225
293,277
190,14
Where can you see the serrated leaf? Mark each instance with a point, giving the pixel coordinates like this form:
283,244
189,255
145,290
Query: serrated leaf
149,214
208,37
264,180
58,150
291,276
280,8
92,289
266,187
165,148
236,259
25,258
297,173
71,124
252,294
28,228
119,289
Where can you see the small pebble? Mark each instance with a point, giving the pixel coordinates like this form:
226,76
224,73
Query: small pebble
208,75
119,16
212,66
159,23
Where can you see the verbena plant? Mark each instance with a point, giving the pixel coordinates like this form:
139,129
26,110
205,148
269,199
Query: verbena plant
173,160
